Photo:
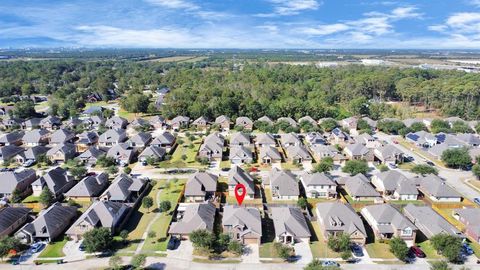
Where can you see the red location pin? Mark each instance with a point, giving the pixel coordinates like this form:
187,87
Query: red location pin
240,195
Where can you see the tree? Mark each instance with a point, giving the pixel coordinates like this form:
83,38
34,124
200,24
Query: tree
147,202
457,158
139,261
317,265
424,169
339,243
418,126
127,170
439,125
46,197
135,103
235,247
302,203
184,157
8,243
359,106
202,239
97,240
221,243
16,195
328,125
24,109
115,262
439,265
152,234
382,168
124,235
104,161
476,170
448,245
325,165
354,167
164,206
78,171
399,248
390,126
284,251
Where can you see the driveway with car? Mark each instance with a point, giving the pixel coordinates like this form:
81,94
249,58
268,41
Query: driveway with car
183,251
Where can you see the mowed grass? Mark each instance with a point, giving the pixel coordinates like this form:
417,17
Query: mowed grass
54,250
267,250
379,251
160,226
428,249
184,149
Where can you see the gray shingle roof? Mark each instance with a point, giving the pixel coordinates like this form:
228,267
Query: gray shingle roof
269,151
221,119
153,151
243,121
317,179
388,218
428,221
99,214
120,188
10,215
90,186
298,151
9,180
200,183
435,186
357,187
336,216
394,180
113,136
12,137
283,182
357,149
265,119
265,138
61,136
239,138
245,217
34,136
197,216
55,179
237,175
290,220
241,152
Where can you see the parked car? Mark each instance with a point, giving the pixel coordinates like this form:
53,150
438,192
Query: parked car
395,141
418,252
467,249
37,247
28,163
81,247
392,166
330,263
430,163
477,200
352,260
144,163
173,243
357,250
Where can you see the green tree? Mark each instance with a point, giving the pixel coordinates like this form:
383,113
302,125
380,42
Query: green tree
127,170
328,125
359,106
339,243
135,102
316,264
418,126
284,251
457,158
46,197
302,203
382,168
124,235
8,243
399,248
235,247
164,206
439,265
147,202
202,239
354,167
448,245
115,262
97,240
476,170
439,125
424,169
139,261
325,165
16,196
24,109
78,171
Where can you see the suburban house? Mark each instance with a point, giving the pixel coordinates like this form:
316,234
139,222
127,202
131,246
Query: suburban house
212,147
269,155
193,216
243,224
410,121
320,152
11,219
469,139
101,214
89,188
265,119
393,185
265,139
237,175
86,140
387,222
244,122
56,180
61,153
422,139
124,189
121,153
314,138
62,136
307,119
201,123
112,137
360,190
299,154
10,122
290,225
165,140
337,136
388,154
36,137
179,122
240,155
358,151
158,122
289,139
434,188
372,123
50,122
12,138
335,218
154,152
429,222
90,156
223,122
30,124
240,139
50,224
140,123
350,124
94,121
139,140
470,218
283,185
287,120
116,122
8,152
20,181
319,185
31,153
200,187
368,140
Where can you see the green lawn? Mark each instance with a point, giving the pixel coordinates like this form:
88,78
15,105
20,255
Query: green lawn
267,250
191,153
379,251
290,166
428,249
406,166
160,226
53,250
30,199
318,245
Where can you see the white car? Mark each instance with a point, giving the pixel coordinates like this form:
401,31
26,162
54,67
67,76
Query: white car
28,163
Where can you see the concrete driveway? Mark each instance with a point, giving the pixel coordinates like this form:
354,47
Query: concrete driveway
184,251
251,254
303,253
72,251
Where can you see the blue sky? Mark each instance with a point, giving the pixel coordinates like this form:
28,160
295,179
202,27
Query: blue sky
440,24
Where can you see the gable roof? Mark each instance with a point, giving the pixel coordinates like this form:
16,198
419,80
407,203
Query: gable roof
55,179
301,151
317,179
265,138
356,187
388,218
12,137
153,151
269,151
90,186
196,216
336,216
265,119
428,221
122,186
200,183
221,119
283,182
435,186
245,217
239,138
113,136
165,138
9,180
241,152
52,221
357,149
394,180
237,175
10,215
290,220
61,136
34,136
99,214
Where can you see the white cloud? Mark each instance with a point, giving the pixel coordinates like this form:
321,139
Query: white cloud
473,2
174,4
461,27
326,29
290,7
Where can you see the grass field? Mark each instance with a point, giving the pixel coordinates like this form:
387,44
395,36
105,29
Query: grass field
191,153
159,243
318,245
379,251
53,250
185,59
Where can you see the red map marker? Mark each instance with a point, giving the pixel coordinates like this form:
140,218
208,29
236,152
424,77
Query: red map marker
240,193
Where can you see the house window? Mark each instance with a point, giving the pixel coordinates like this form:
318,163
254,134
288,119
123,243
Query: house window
407,232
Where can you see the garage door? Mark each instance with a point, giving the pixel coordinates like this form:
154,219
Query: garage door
250,241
